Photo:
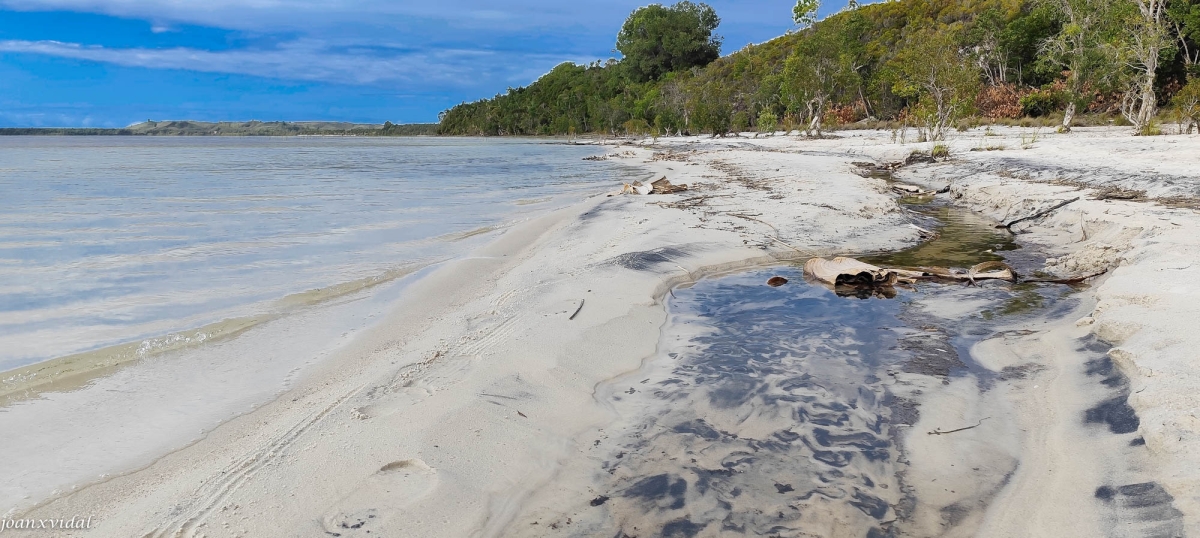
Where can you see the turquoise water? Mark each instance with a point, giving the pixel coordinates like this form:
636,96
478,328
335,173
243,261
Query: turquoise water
107,240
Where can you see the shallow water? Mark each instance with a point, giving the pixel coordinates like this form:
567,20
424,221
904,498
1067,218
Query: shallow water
105,240
965,239
779,412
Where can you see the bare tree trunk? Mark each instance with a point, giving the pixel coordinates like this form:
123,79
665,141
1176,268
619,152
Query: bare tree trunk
1068,117
1149,41
815,125
1149,102
866,103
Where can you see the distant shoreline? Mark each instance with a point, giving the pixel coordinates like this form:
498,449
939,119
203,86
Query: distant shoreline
249,128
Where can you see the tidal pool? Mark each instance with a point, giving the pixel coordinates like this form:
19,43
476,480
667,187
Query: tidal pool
777,411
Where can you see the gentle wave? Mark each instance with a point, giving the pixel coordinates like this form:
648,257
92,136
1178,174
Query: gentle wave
104,242
76,370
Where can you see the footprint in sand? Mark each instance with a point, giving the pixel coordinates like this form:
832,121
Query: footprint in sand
382,498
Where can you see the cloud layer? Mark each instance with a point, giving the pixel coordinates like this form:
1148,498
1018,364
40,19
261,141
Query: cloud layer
307,60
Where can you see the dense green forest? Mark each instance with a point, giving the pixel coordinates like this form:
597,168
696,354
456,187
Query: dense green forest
232,128
931,64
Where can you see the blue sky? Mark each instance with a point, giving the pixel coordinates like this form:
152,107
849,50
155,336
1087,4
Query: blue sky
110,63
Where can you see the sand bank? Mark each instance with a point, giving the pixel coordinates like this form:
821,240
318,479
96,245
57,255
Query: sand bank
460,414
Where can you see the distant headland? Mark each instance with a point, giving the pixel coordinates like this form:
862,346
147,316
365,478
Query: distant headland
235,128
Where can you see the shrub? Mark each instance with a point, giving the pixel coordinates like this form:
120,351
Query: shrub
842,114
1187,106
637,126
1041,102
1000,101
741,122
767,121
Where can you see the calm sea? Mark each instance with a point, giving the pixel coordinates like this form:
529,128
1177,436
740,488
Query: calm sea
112,240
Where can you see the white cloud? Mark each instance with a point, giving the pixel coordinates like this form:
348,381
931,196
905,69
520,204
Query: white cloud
306,14
304,60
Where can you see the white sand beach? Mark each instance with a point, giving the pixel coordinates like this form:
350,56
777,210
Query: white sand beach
471,409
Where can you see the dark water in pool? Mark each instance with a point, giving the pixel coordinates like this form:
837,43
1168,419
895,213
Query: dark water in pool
771,416
768,410
776,411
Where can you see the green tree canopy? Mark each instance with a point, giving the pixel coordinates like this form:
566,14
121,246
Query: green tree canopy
657,40
804,14
930,69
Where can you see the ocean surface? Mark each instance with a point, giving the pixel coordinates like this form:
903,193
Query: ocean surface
113,240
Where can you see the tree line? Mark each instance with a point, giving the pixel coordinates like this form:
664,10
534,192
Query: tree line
930,64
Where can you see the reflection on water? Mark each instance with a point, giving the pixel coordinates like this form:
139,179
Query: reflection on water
965,239
769,418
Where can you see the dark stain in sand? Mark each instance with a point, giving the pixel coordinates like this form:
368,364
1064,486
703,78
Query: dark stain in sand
1115,411
660,488
648,260
1146,509
682,528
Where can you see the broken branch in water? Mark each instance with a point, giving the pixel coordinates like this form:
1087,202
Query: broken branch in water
576,311
940,432
1039,214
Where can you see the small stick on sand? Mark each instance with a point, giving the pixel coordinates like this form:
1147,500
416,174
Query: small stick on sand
1039,214
576,311
940,432
774,229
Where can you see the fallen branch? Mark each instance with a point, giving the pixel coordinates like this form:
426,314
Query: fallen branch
1039,214
940,432
1075,280
576,310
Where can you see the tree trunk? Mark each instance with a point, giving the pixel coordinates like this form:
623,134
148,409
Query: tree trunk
1149,104
1068,117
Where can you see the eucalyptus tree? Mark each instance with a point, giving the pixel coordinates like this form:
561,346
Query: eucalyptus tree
1144,44
820,68
931,69
1083,49
804,14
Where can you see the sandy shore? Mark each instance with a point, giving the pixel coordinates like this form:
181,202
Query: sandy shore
461,414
